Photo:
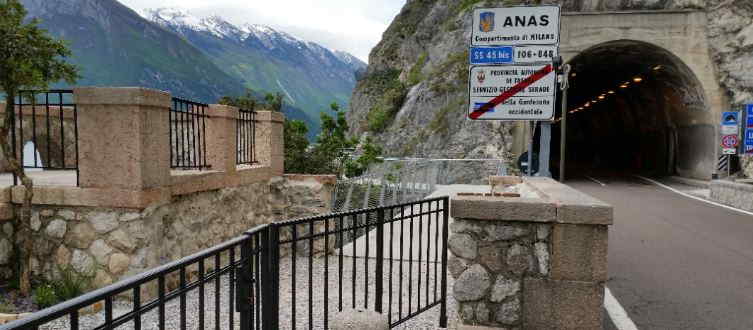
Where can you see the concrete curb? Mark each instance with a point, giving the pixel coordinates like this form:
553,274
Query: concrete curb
690,182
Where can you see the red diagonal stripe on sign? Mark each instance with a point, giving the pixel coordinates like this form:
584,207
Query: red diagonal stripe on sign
512,91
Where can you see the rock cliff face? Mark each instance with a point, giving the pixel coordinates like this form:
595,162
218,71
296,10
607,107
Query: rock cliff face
413,96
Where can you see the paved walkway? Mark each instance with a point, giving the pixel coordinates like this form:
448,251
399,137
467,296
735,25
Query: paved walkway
419,226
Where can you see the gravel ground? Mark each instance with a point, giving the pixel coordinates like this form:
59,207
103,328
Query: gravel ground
426,320
399,307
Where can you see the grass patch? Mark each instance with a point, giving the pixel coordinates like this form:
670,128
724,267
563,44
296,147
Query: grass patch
70,285
389,94
466,5
455,68
414,75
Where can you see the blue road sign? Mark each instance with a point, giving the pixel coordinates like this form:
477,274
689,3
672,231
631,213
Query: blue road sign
748,140
492,55
729,118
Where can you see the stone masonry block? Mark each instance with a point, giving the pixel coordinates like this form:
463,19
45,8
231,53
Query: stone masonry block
550,304
508,209
579,252
136,153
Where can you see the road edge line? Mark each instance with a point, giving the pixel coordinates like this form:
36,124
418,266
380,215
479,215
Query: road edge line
617,314
693,197
597,181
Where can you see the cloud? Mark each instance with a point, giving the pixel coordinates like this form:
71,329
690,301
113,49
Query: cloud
354,26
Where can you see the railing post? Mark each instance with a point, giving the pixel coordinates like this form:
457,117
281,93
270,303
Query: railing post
244,297
379,269
271,279
445,229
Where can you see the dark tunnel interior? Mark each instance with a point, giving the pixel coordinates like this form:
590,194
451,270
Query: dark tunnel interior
634,108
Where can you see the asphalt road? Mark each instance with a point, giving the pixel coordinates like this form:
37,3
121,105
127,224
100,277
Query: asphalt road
675,262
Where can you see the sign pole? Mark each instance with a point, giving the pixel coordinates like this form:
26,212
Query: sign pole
563,128
545,146
531,131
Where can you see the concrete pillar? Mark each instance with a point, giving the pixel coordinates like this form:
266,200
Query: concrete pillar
532,262
270,142
123,138
221,137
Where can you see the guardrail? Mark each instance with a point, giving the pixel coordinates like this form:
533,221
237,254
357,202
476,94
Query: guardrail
41,118
245,137
188,146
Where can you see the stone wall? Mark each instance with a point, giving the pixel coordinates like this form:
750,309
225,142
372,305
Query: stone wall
735,194
108,244
532,263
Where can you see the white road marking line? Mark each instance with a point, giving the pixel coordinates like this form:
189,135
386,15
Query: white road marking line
617,314
597,181
693,197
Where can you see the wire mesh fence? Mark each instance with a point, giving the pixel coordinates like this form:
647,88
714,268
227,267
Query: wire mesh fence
404,180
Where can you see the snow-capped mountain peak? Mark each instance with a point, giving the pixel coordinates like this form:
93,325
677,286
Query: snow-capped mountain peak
264,37
183,21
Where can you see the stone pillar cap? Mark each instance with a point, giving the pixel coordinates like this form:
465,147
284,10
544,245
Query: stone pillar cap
556,203
121,96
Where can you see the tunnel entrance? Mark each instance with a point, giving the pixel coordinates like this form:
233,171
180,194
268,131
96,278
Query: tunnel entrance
633,107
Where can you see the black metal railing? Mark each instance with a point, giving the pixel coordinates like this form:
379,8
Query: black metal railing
245,137
49,121
188,143
389,259
274,271
163,297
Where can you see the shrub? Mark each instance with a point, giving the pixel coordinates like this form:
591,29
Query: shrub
414,75
7,307
70,285
378,119
44,296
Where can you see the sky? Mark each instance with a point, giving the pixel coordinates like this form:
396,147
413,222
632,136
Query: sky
354,26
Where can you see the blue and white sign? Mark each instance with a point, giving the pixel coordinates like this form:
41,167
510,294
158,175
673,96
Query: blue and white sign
730,127
730,122
512,54
514,26
748,140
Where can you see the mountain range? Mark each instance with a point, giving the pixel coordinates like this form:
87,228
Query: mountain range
200,58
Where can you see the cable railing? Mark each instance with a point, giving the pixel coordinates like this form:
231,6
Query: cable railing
188,142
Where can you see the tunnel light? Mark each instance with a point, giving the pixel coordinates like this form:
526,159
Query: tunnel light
657,68
601,97
611,92
637,79
573,74
588,104
624,86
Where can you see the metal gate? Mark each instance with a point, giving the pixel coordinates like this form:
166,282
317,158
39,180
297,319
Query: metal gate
298,274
